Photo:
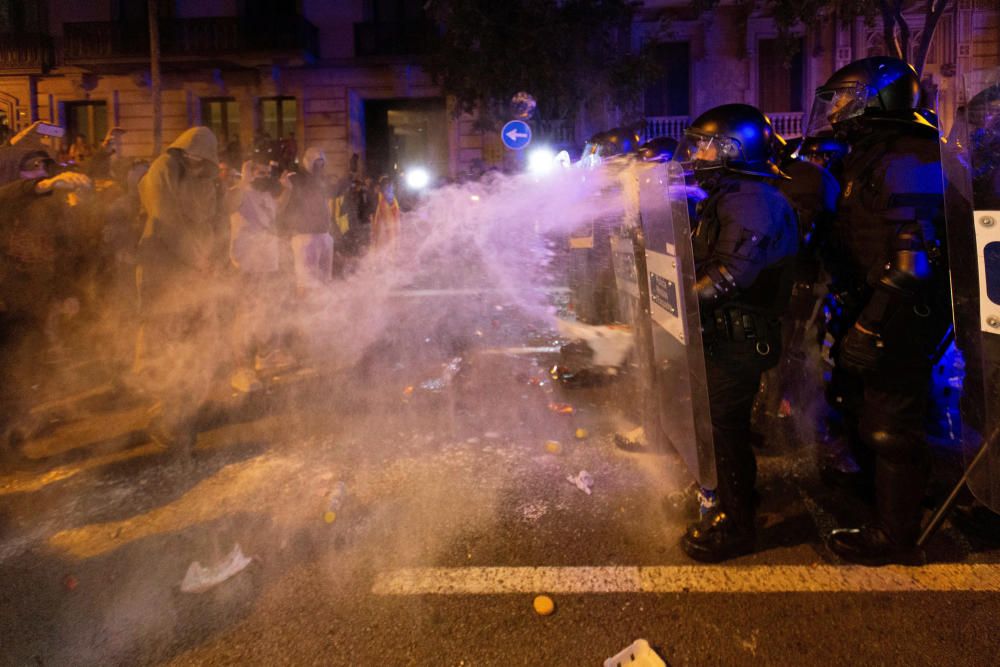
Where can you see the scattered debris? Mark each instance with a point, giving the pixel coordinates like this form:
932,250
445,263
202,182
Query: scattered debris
70,582
553,446
610,344
329,516
639,654
200,578
581,434
533,511
561,408
582,480
451,369
408,392
544,606
632,441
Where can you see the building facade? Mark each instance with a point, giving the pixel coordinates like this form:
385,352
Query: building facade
345,75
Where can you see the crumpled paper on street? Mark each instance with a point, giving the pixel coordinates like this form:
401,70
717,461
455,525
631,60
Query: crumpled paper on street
582,481
200,578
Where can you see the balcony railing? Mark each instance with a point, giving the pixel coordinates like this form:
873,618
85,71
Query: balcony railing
214,36
786,124
395,38
665,126
25,52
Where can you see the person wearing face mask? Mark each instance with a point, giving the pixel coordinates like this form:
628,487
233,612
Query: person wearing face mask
304,207
254,247
176,347
745,244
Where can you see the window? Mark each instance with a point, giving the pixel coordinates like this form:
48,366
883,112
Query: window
670,95
86,119
278,116
21,16
780,80
222,115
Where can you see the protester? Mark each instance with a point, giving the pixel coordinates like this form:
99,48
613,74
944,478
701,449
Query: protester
176,353
80,151
385,224
305,213
254,247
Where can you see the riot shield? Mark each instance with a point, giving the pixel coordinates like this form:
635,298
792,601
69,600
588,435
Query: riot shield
677,350
628,252
971,162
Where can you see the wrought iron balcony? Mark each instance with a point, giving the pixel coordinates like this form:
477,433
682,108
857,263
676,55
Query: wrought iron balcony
111,41
787,124
399,38
27,53
665,126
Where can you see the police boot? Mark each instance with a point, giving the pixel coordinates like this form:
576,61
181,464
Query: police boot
718,536
899,489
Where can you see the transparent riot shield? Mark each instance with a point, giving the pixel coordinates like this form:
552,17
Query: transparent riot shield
628,252
678,355
971,162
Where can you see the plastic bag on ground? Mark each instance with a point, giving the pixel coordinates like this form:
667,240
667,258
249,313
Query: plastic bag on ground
200,578
639,654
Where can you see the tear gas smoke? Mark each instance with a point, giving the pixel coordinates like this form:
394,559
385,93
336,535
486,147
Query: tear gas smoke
476,265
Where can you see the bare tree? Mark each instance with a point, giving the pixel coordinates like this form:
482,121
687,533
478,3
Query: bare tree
896,30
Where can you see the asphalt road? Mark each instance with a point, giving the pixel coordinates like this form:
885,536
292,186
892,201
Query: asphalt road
456,513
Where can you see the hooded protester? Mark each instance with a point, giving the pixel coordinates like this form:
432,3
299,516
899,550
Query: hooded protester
175,356
305,212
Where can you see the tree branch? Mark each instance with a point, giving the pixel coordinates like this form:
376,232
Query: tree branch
904,32
889,29
935,9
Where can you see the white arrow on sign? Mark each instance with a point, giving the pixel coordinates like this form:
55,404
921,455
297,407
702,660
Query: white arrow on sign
514,135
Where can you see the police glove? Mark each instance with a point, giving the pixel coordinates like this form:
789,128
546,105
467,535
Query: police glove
860,351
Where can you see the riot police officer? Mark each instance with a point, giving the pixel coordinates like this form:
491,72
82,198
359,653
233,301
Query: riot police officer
889,291
824,150
744,244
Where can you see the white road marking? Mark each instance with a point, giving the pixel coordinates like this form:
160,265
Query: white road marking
690,579
467,291
542,349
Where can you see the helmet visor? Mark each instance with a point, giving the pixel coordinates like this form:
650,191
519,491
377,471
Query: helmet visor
835,105
707,151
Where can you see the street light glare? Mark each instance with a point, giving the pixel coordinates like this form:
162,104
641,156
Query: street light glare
417,178
541,160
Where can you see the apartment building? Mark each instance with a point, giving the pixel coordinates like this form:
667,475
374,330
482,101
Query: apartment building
346,75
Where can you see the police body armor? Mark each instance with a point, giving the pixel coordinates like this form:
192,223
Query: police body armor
886,255
742,320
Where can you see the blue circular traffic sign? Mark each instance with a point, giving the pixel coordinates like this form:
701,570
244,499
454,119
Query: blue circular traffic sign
516,134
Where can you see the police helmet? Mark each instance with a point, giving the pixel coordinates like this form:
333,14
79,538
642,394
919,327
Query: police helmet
734,137
659,149
824,147
878,87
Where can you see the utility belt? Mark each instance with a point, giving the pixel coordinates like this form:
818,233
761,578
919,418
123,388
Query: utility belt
743,330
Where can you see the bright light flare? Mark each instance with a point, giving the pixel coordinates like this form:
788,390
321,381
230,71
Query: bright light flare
417,178
541,161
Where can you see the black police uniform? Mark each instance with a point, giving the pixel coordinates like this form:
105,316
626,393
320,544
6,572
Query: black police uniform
891,309
745,244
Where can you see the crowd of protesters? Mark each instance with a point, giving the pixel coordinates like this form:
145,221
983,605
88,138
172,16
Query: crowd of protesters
159,270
